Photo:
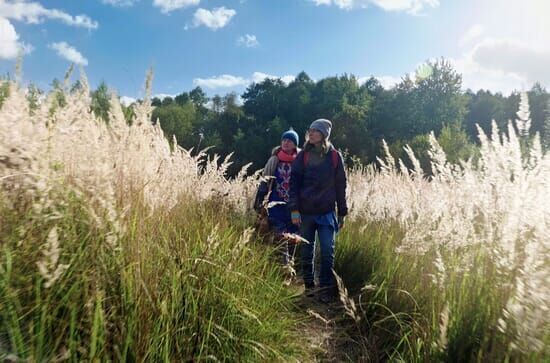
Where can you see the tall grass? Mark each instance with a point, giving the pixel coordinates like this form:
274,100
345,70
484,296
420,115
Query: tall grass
455,267
118,246
180,284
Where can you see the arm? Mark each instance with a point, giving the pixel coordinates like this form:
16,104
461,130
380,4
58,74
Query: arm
341,185
296,178
263,188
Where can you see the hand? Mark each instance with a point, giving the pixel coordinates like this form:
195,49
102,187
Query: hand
296,218
257,207
341,220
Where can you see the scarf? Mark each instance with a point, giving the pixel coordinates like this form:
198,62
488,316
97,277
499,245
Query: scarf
284,157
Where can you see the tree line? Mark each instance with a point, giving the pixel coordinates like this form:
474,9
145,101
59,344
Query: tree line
363,114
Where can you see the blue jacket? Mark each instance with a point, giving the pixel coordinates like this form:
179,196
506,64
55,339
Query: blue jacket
317,189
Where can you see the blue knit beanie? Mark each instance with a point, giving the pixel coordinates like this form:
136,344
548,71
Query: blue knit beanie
291,135
322,125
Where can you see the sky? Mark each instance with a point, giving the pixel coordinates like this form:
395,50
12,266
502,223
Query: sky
224,45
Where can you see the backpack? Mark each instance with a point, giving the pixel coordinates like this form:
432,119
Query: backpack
334,155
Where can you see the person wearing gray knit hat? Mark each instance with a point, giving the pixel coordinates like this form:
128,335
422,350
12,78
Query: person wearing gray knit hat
322,125
318,185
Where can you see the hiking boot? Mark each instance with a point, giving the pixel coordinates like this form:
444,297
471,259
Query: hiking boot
309,289
326,295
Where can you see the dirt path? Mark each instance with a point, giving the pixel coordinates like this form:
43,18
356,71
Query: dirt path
325,329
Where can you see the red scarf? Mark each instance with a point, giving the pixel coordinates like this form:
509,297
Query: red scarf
284,157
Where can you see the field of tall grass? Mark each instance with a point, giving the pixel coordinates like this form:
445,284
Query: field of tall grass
116,244
454,267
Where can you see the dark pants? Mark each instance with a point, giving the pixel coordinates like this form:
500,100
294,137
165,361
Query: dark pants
280,226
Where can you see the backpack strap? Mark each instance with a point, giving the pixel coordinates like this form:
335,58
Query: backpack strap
335,158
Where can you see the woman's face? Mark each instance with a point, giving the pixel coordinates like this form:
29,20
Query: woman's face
287,146
315,136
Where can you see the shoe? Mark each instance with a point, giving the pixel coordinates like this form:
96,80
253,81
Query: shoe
326,296
310,289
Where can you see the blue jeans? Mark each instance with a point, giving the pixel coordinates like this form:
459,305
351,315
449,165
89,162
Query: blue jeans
326,227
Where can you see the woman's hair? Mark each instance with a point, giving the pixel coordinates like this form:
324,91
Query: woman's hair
325,144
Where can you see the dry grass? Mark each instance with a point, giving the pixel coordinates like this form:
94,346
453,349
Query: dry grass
451,264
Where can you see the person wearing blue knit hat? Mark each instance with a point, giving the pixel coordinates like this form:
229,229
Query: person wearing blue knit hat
276,186
292,136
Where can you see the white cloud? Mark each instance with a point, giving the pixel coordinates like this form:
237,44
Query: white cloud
215,19
34,13
167,6
209,105
248,40
127,101
288,78
385,81
68,52
322,2
162,96
120,3
503,65
476,77
509,50
471,34
223,81
10,46
258,77
388,81
229,81
514,57
414,7
410,6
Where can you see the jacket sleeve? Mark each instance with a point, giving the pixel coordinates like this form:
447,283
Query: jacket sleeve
296,179
341,185
263,188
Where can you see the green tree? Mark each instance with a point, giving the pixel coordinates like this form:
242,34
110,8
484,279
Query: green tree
59,94
177,121
296,107
156,102
129,113
484,107
198,97
437,98
101,102
263,100
546,129
166,101
538,100
342,100
4,91
33,97
182,98
455,142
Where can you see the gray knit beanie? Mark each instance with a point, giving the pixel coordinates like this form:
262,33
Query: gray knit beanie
322,125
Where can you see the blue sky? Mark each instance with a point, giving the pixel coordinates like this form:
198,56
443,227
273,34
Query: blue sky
223,45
